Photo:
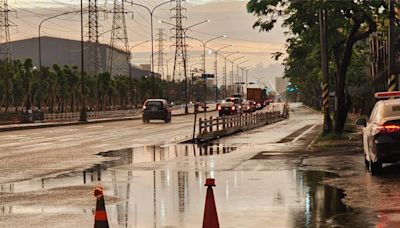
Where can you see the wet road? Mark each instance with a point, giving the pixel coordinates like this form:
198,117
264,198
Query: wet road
151,180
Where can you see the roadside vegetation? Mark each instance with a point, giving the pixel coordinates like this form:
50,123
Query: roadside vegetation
349,25
58,89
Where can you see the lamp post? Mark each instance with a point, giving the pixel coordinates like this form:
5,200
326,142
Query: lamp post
204,43
83,115
130,70
226,69
40,37
184,57
216,52
232,76
151,12
240,80
247,79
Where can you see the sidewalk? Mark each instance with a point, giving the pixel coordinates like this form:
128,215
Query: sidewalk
28,126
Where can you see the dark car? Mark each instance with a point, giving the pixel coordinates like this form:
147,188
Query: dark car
381,135
156,109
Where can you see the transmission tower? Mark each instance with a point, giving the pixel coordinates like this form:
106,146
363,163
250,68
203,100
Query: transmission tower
118,62
160,53
180,53
93,35
5,23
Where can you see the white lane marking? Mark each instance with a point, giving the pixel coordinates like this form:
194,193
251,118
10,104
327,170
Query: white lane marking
306,132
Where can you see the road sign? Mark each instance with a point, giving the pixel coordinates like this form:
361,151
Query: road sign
207,76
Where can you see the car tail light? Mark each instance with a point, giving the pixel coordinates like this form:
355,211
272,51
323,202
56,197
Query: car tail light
387,129
144,106
248,107
219,108
240,106
233,108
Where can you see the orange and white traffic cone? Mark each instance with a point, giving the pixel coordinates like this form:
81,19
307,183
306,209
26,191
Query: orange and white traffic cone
210,219
100,216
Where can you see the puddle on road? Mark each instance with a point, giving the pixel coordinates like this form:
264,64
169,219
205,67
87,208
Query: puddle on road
143,154
169,198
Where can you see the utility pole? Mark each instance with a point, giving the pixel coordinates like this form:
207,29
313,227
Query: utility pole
160,53
393,75
118,62
325,72
93,35
83,114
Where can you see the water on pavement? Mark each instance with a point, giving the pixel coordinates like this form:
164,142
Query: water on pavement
175,198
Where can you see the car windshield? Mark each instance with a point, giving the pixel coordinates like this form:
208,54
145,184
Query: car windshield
153,103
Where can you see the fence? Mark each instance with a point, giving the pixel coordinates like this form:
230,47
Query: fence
214,128
90,115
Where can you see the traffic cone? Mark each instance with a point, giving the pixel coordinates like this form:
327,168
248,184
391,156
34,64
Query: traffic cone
210,219
100,216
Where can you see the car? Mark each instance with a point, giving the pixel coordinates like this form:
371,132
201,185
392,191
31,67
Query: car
381,135
156,109
248,106
231,106
258,106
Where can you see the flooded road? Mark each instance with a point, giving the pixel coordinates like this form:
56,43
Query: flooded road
260,176
167,198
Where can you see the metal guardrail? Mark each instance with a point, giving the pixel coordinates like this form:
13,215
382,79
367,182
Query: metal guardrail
91,115
214,128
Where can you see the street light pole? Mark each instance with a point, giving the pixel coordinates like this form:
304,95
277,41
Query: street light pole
130,71
240,87
40,36
232,77
185,58
216,68
226,69
247,80
151,12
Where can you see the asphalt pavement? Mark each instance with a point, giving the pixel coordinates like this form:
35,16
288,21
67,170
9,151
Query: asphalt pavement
264,177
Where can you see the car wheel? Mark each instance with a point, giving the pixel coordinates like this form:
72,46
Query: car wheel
375,167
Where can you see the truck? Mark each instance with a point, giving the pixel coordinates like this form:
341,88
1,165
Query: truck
257,94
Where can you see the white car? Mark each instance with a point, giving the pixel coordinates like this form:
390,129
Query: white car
381,135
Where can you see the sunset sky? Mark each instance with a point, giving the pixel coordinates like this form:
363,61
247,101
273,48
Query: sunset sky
228,17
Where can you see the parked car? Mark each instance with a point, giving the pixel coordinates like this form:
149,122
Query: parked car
381,135
156,109
231,106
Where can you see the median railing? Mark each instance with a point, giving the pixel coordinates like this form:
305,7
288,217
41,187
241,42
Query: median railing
214,128
91,115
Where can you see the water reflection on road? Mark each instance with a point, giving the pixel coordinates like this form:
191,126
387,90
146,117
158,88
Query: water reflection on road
170,198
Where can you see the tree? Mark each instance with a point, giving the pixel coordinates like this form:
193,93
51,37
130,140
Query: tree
348,23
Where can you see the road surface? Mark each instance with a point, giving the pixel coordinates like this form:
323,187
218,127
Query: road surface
264,177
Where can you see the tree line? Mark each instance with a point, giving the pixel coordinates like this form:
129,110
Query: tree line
349,25
58,89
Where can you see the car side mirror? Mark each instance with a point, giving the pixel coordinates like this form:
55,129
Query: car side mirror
361,122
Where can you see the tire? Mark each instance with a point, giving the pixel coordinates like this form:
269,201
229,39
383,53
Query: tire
375,167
